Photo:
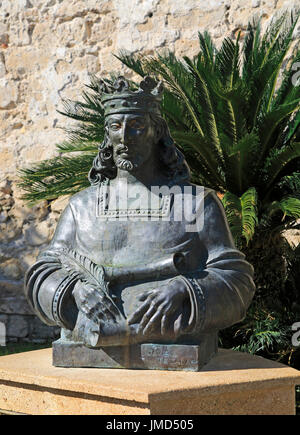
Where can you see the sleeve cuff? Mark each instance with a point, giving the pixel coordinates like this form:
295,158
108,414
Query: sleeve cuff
197,302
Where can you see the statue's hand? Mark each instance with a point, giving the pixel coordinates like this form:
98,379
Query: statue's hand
162,310
96,305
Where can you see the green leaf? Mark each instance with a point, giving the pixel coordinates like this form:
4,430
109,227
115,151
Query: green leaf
277,161
241,213
133,62
270,121
242,161
289,206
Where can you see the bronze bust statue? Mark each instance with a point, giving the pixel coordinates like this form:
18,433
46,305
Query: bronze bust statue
142,270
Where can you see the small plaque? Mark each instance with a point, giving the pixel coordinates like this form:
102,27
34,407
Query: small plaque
170,357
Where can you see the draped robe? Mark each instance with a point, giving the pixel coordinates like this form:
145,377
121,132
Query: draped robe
218,278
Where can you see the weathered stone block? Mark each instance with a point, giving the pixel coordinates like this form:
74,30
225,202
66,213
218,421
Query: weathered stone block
36,234
231,383
16,304
12,269
40,330
8,94
17,326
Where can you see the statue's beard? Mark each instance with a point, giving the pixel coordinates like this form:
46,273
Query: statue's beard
125,164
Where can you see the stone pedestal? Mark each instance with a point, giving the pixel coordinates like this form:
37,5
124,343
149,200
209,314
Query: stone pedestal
231,383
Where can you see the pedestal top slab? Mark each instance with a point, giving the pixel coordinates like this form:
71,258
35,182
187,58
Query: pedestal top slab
229,371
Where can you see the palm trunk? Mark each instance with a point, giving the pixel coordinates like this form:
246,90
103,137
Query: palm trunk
267,254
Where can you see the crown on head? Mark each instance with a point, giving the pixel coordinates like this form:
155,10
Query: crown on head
118,98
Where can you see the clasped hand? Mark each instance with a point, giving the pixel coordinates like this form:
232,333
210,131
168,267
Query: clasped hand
96,305
161,311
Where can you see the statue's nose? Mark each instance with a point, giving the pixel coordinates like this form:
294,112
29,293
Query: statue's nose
126,133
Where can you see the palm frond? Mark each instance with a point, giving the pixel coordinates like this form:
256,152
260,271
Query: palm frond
269,122
266,59
66,175
241,213
242,161
204,97
174,73
75,147
133,62
228,61
288,206
207,50
200,146
277,161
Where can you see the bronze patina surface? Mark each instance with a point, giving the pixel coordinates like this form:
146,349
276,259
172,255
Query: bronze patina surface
142,264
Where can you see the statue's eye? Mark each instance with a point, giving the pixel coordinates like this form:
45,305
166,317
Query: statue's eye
115,126
137,125
106,154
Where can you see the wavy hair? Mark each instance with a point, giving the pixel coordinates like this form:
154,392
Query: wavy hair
172,162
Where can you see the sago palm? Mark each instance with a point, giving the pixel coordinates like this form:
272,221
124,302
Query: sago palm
237,122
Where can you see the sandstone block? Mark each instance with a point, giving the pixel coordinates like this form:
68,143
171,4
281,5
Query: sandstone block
17,326
29,59
36,234
14,305
4,38
9,231
10,287
6,158
2,64
28,258
42,331
255,3
3,216
8,94
20,211
59,204
5,186
231,383
12,269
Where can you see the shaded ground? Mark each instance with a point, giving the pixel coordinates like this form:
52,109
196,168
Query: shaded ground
21,347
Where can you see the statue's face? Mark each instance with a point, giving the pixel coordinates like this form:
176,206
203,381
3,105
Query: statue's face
133,137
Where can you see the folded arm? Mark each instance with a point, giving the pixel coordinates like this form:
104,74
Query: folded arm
48,287
222,291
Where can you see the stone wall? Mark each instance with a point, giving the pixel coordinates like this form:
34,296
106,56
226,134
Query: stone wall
47,49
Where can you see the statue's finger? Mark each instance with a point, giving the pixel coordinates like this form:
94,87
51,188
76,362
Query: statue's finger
136,316
109,315
165,320
178,324
111,307
146,317
152,323
146,294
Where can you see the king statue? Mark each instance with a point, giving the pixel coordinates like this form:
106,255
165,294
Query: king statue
142,271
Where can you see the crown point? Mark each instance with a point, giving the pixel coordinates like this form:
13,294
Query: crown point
119,98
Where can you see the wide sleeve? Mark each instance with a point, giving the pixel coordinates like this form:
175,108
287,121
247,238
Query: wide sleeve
48,287
222,288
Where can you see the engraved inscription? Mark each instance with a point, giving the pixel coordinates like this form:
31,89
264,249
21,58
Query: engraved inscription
171,356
